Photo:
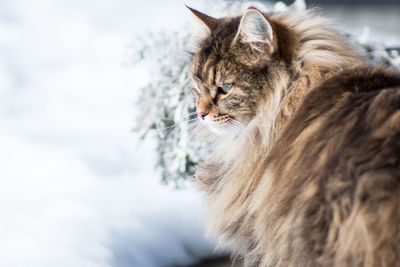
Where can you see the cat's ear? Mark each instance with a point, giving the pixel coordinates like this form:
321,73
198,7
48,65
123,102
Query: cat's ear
210,22
255,30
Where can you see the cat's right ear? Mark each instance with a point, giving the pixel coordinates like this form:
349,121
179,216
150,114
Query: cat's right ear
255,31
210,22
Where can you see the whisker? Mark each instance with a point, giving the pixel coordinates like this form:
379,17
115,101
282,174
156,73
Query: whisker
190,115
238,130
234,129
236,126
169,129
185,121
237,123
183,118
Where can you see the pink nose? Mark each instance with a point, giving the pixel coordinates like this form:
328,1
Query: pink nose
201,115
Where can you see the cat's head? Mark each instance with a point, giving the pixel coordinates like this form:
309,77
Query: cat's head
236,68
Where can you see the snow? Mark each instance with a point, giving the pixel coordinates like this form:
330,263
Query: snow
77,188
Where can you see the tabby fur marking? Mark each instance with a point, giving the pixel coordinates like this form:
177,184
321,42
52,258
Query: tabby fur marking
306,163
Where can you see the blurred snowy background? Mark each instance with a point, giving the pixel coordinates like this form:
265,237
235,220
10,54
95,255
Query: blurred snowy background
77,186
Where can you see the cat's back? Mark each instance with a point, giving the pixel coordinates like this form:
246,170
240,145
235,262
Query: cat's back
338,169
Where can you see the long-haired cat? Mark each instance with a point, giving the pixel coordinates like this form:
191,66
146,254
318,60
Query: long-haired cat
306,163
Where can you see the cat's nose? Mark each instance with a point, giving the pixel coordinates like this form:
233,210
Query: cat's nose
202,114
203,107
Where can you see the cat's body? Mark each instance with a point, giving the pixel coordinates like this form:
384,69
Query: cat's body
313,178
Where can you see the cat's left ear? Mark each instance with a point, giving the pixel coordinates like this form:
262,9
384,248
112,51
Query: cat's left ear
210,22
255,30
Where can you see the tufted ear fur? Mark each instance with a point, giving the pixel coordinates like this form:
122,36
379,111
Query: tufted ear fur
210,22
255,31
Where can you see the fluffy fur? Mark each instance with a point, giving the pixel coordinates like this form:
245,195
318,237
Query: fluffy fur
313,176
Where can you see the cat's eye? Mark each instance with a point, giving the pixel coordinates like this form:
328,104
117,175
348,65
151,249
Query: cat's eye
226,87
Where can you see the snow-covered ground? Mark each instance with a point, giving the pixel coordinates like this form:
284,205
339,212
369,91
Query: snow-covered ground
76,188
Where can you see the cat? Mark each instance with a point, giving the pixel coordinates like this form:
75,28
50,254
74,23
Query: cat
305,169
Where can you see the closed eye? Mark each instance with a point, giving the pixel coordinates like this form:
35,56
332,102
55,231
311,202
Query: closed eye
225,88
